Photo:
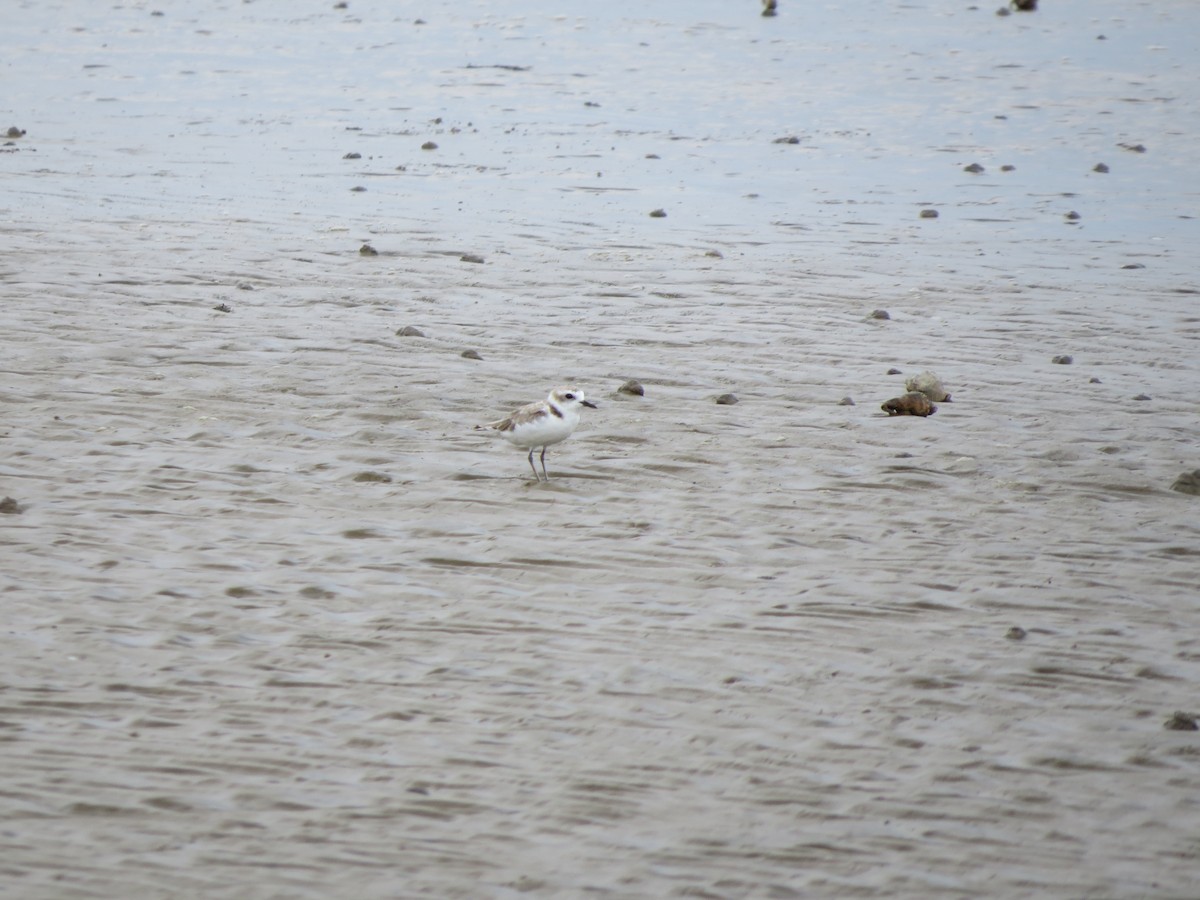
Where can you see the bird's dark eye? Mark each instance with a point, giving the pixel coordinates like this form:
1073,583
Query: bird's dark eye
569,396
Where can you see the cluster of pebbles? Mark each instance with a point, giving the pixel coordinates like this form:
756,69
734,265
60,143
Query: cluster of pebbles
924,390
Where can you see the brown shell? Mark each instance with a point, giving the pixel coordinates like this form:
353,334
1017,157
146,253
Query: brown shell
913,403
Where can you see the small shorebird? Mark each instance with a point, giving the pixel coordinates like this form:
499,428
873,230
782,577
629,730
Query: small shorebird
543,423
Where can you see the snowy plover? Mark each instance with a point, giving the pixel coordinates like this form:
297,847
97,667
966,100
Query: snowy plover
543,423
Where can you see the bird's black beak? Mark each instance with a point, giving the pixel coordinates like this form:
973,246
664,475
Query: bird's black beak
589,404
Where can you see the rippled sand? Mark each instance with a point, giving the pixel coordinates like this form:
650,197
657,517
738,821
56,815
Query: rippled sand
280,623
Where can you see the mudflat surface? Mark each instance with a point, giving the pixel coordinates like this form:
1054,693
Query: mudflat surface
278,623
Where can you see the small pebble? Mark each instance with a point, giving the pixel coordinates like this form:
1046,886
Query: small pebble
1142,397
10,507
894,372
790,139
15,132
1093,380
715,254
727,400
658,213
880,314
1101,168
429,145
367,250
1133,266
929,214
846,401
1063,360
1181,721
1073,216
1023,5
470,354
358,189
1003,11
929,384
974,169
632,387
352,156
1188,483
471,258
410,331
223,307
1133,148
1016,633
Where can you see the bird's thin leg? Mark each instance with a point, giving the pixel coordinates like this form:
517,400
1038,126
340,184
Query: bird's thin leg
544,472
532,466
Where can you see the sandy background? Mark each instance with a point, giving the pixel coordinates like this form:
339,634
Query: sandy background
278,623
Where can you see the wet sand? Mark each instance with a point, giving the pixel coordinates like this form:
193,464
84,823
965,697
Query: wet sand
280,623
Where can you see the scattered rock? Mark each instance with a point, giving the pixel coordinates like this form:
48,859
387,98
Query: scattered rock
715,254
727,400
1072,216
472,258
1188,483
470,354
880,314
410,331
244,286
1133,148
10,507
367,250
352,155
653,156
1093,380
846,401
1181,721
929,214
787,139
1003,11
429,145
1142,397
632,387
974,169
1024,5
1063,360
1133,266
223,307
1101,168
358,189
1016,633
658,213
894,372
928,384
1008,168
914,403
14,132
